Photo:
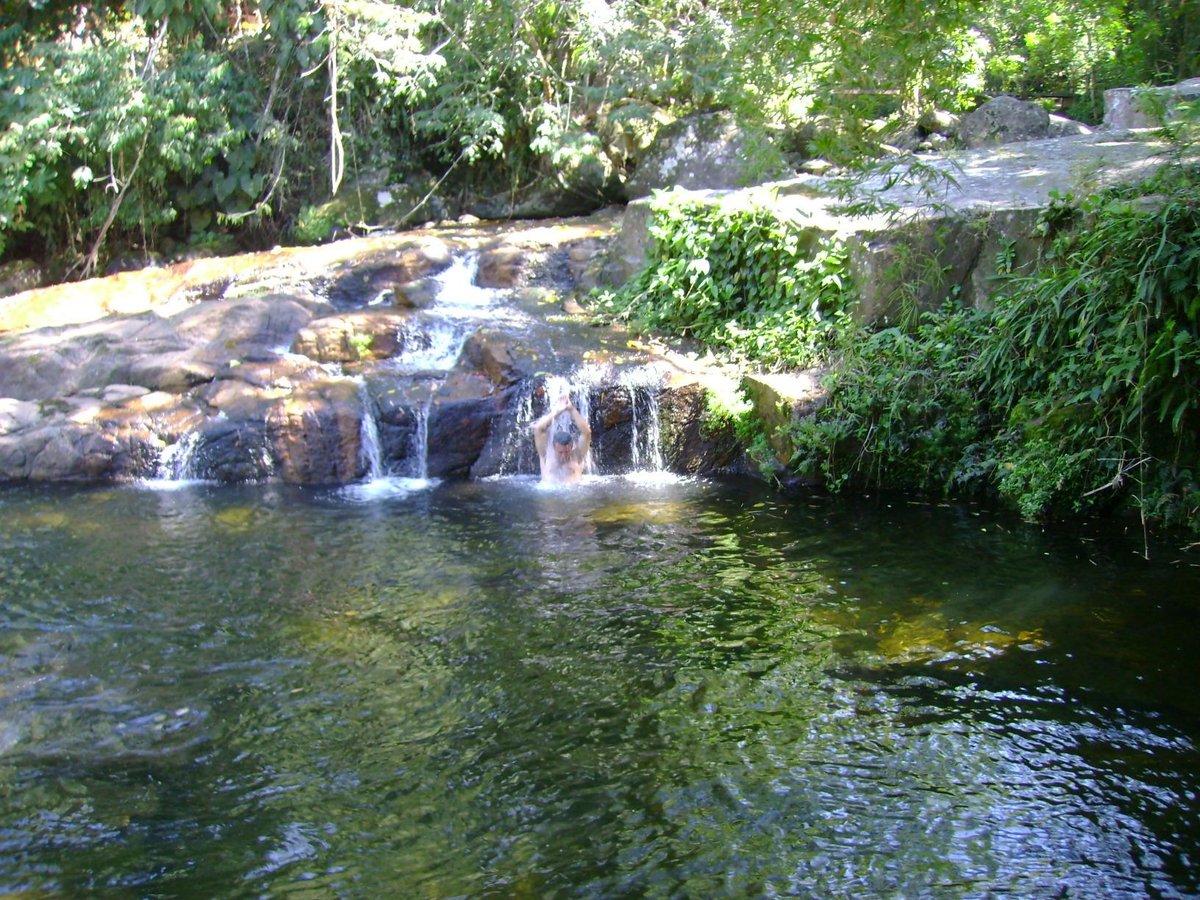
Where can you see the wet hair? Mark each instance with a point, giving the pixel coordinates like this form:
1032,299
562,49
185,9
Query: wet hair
562,437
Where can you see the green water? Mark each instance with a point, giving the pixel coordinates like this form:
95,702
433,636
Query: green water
685,689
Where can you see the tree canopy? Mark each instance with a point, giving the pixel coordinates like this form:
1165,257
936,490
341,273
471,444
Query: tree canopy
171,124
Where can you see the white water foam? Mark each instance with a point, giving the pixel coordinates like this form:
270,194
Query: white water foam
384,488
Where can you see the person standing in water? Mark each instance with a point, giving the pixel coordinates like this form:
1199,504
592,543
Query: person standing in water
562,450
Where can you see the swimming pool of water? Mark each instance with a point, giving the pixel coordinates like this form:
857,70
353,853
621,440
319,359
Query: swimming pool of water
628,688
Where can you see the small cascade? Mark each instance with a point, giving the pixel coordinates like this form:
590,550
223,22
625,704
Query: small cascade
457,293
379,480
645,445
419,451
370,448
434,346
178,460
517,455
433,341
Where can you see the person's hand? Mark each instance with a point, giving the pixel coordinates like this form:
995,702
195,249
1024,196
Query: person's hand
564,402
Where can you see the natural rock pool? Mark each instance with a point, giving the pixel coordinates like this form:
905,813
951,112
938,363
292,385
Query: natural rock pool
635,687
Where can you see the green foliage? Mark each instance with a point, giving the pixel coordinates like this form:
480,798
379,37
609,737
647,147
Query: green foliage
902,408
143,122
1074,49
740,280
1095,362
1079,390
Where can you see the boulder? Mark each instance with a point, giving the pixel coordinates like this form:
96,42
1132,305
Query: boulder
576,178
75,439
692,442
1061,126
1002,120
401,411
938,121
461,417
501,265
419,294
501,357
1137,107
355,284
369,203
315,434
706,151
628,129
781,400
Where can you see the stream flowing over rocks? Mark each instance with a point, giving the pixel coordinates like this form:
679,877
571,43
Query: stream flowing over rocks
428,354
423,355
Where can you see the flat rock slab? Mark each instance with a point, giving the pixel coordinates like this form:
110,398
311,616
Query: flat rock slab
1026,174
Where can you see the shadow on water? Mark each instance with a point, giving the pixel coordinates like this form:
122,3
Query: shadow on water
637,686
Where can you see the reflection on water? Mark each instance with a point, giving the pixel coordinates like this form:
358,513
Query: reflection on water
631,687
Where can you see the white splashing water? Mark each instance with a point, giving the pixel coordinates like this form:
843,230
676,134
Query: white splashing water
646,432
420,443
457,292
578,387
435,340
378,482
177,463
370,448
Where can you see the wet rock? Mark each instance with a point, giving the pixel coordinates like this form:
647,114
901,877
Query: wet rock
356,285
399,407
315,434
248,322
501,266
419,294
175,372
461,417
351,337
233,448
503,358
693,442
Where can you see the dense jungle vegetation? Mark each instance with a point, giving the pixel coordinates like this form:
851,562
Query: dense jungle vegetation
1076,390
133,126
173,127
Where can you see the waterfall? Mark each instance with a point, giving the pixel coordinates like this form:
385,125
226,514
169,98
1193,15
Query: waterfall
645,440
370,451
433,342
379,481
517,455
457,292
437,344
419,451
178,460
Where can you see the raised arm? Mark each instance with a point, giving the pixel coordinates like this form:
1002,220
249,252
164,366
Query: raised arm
541,432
